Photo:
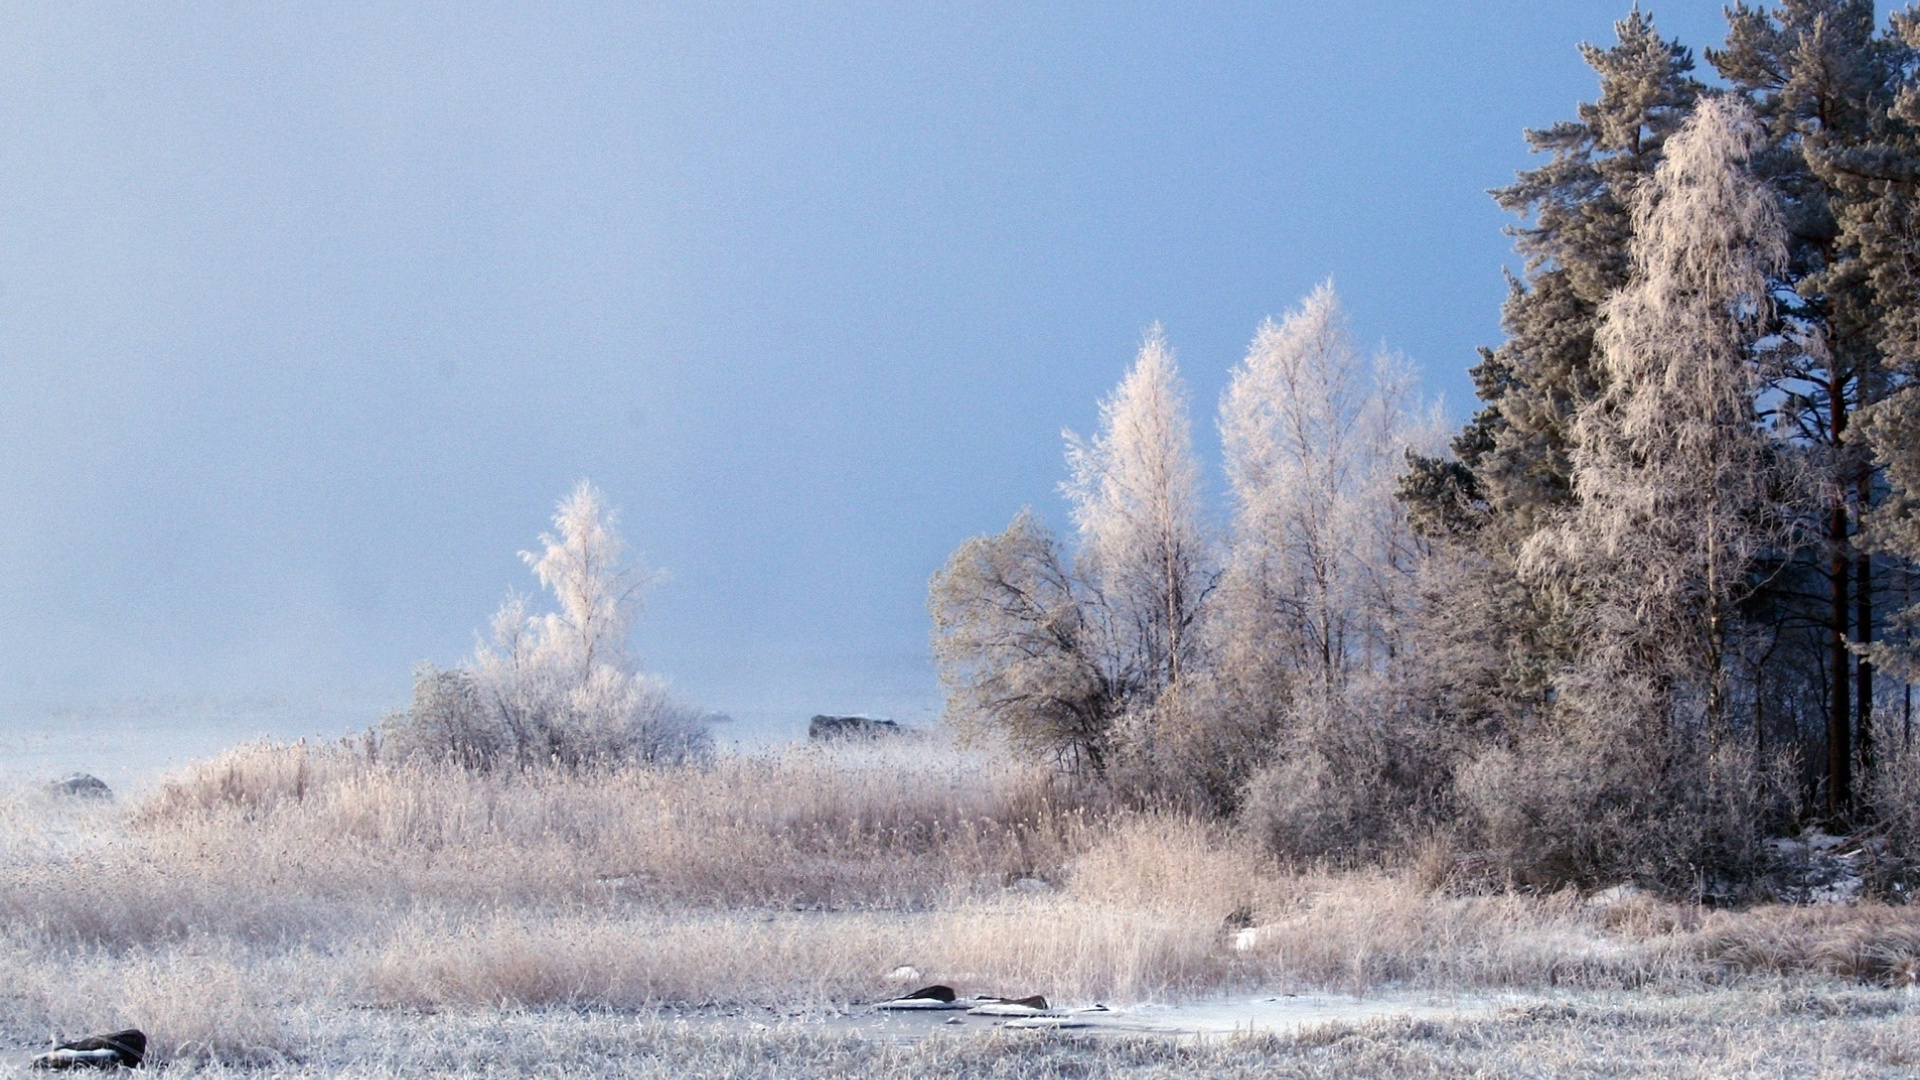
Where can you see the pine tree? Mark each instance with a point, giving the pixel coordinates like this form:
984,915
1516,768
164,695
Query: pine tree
1575,250
1512,470
1820,80
1880,221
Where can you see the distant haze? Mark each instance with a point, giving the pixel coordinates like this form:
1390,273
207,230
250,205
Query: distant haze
309,312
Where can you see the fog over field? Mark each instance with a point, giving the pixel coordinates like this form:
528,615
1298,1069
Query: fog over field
309,313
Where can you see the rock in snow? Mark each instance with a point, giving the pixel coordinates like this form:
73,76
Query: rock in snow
1027,1006
927,997
81,786
122,1048
849,727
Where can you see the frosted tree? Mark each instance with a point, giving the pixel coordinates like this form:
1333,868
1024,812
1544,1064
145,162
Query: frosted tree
1316,437
1136,500
1676,481
557,687
599,596
1057,651
1578,206
1016,637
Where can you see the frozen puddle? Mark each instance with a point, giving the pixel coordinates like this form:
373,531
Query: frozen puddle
1281,1015
1238,1016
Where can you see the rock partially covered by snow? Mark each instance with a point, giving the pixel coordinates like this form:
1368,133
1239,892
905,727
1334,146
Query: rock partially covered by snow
926,998
823,727
81,786
1819,868
120,1049
1026,1007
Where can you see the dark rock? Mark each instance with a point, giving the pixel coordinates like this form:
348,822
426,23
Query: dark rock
121,1049
1015,1007
925,999
849,727
81,786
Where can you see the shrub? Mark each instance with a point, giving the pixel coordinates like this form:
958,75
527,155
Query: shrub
1355,779
1599,806
482,719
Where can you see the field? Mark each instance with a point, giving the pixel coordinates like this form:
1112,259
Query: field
310,910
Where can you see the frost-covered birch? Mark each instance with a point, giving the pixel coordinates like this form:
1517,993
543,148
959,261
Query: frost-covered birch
600,596
1316,437
557,687
1675,478
1135,490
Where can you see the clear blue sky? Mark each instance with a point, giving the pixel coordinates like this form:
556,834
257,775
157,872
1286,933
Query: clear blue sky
310,311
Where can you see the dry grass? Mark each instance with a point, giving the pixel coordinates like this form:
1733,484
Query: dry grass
222,911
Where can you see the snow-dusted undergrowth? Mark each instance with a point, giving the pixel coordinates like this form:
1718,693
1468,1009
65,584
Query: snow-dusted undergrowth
278,880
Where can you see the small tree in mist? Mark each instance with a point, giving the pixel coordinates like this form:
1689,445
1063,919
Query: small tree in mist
600,596
559,687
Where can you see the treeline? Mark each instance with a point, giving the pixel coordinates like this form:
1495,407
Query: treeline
1628,624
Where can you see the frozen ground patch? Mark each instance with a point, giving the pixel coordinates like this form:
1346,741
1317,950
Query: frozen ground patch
1285,1014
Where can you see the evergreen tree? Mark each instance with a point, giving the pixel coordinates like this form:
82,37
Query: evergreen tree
1821,79
1513,471
1881,221
1575,248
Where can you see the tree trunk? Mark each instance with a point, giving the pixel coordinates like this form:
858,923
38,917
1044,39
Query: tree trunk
1840,569
1863,671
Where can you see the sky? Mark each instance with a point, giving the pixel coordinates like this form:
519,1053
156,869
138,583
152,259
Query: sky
309,312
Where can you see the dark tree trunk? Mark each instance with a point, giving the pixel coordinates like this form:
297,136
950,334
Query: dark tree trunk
1840,708
1840,569
1863,677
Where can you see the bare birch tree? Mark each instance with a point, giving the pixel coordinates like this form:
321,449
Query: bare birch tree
1019,651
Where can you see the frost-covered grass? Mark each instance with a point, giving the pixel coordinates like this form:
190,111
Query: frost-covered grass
262,907
1719,1036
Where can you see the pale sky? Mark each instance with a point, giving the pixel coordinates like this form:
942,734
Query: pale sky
310,311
